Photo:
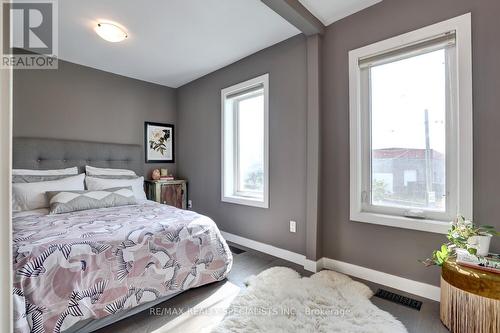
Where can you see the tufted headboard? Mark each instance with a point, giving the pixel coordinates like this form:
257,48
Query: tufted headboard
37,153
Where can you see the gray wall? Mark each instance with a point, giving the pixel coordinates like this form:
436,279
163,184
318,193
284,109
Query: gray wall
82,103
199,137
104,107
387,249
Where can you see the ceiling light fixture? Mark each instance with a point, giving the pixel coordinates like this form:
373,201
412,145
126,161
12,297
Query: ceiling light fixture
110,32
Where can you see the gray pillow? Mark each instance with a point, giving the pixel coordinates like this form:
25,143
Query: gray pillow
36,179
72,201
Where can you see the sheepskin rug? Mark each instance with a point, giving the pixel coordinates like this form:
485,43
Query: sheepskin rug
280,300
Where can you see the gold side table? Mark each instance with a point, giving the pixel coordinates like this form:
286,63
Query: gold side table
470,299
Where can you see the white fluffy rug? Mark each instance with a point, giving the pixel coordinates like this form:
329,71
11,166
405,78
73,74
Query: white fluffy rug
279,300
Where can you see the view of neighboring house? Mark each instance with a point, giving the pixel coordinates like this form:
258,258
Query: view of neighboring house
399,177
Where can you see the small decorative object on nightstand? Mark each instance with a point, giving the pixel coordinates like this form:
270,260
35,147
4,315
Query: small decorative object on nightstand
168,192
155,175
163,172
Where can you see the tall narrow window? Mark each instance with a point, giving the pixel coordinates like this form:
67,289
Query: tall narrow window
411,128
245,176
408,100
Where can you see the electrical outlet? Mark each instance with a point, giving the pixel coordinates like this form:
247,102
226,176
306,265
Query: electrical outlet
293,226
190,203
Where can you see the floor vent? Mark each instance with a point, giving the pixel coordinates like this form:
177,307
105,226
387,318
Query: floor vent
235,250
406,301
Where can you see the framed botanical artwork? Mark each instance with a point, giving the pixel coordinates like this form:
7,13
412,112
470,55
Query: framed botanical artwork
159,143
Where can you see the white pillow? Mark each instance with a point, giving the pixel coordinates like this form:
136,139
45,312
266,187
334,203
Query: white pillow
95,184
29,196
56,172
93,171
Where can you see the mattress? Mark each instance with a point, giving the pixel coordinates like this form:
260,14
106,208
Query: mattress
83,266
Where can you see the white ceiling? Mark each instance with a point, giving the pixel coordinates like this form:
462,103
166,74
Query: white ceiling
171,42
329,11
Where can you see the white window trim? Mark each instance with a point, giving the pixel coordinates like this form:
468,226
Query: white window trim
243,199
464,141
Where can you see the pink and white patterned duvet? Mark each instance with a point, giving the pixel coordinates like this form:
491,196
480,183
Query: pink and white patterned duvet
90,264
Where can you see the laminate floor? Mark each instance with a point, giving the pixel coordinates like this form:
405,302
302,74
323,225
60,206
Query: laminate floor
198,310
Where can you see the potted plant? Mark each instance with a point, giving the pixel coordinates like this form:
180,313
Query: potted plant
463,234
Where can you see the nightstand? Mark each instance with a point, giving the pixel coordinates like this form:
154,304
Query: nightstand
168,192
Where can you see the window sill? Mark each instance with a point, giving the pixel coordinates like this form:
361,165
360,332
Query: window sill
246,201
439,227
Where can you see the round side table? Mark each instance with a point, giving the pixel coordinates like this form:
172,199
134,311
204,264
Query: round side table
470,299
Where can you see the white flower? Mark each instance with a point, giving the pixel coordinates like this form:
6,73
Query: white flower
157,135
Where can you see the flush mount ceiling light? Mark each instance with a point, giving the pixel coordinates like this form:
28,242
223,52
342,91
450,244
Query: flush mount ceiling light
110,32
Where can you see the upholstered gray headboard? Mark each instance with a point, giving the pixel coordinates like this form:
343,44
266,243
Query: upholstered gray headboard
37,153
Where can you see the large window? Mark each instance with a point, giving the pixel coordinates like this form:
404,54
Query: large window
245,176
411,128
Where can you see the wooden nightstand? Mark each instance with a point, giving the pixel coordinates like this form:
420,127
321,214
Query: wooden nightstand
470,299
168,192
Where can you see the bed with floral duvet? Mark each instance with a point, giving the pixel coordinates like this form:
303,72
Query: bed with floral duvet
96,263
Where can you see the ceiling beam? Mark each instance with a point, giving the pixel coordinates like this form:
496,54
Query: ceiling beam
298,15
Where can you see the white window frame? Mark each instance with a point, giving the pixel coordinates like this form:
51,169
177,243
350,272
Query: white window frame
229,151
459,129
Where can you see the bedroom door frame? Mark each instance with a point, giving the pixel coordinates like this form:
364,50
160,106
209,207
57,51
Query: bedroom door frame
6,81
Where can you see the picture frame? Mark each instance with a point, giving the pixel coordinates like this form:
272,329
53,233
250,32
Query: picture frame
159,142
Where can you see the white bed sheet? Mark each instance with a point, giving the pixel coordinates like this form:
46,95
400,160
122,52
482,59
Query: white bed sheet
41,211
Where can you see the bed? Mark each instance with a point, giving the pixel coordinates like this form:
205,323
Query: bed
83,270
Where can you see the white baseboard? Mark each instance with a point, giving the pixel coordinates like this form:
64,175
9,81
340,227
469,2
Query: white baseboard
393,281
265,248
312,266
410,286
